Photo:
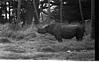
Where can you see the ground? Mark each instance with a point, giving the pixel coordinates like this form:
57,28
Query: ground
28,44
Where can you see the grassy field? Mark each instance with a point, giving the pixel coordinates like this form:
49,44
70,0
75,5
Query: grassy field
28,44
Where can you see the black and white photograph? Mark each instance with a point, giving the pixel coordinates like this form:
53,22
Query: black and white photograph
47,30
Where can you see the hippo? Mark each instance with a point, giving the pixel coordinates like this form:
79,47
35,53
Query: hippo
64,31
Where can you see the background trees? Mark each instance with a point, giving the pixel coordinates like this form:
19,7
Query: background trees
67,10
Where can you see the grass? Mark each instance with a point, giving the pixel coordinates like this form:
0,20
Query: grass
28,44
83,56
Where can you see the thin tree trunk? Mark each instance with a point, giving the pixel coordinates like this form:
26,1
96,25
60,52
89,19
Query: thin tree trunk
5,11
93,18
49,13
18,11
9,13
49,7
61,11
81,12
35,9
41,9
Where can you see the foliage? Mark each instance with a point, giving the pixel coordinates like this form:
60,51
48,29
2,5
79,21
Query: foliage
70,9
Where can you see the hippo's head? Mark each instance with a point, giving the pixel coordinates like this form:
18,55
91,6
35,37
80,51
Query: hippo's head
42,30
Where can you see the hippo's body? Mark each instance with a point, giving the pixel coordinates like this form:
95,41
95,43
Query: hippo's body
61,30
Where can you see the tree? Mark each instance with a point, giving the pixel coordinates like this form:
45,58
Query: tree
61,6
36,11
18,11
81,12
93,18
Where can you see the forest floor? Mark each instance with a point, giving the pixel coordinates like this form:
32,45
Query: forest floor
28,44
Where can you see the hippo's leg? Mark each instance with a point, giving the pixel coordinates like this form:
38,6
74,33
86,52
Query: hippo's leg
79,36
59,38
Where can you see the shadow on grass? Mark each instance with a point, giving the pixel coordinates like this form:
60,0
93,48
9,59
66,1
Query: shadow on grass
5,40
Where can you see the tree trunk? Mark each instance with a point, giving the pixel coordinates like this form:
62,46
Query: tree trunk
9,13
29,12
36,10
49,13
5,11
49,7
93,18
81,12
41,10
18,11
61,11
